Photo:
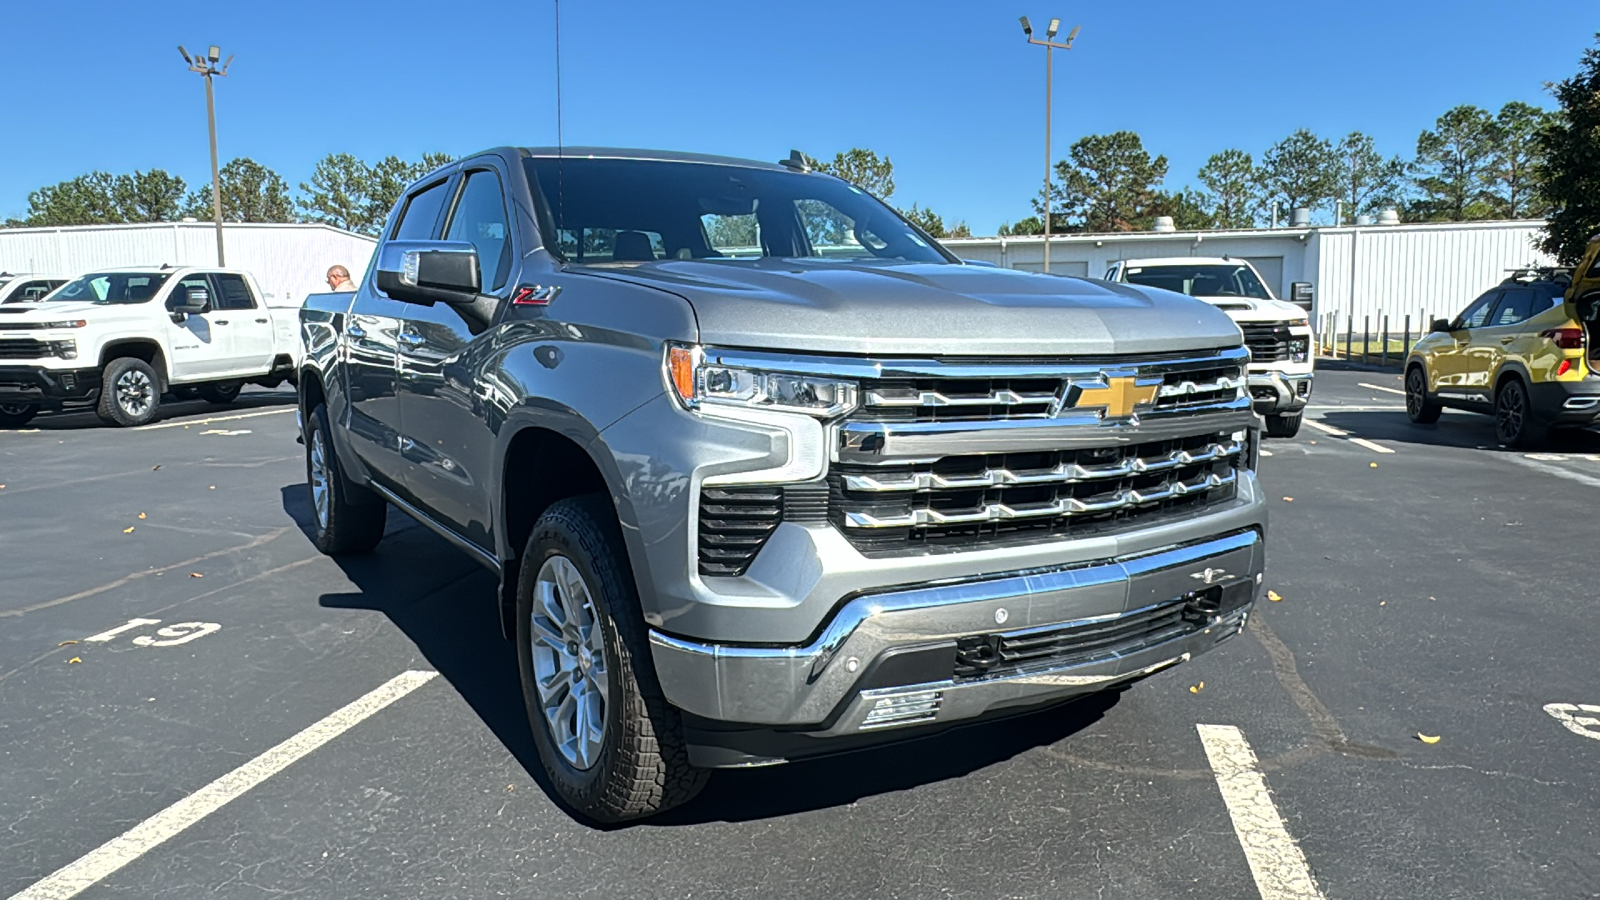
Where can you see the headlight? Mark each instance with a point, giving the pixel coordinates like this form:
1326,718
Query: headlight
696,381
1300,322
71,323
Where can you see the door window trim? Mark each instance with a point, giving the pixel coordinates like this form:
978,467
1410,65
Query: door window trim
447,219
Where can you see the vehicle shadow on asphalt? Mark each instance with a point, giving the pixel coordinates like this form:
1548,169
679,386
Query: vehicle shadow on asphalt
82,419
1464,431
444,603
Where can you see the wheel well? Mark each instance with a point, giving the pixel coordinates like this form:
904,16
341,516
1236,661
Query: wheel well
149,351
1508,375
541,467
311,393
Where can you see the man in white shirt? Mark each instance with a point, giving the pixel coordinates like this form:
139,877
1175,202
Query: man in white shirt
339,279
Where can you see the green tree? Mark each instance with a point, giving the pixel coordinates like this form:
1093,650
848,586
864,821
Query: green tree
958,230
1188,209
1231,196
1454,165
153,196
1568,170
1108,183
338,194
1515,159
1300,171
862,168
1025,226
1367,181
926,219
251,192
85,200
389,178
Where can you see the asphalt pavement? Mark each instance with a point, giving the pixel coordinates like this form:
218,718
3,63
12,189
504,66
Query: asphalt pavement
194,702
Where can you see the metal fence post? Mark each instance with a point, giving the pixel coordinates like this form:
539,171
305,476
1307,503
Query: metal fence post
1366,338
1349,335
1386,339
1405,342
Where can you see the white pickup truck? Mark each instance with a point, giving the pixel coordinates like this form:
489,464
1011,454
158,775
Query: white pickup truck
28,287
117,340
1276,331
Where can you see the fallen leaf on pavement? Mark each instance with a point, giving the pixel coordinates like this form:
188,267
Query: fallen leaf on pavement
141,515
1288,499
1428,738
1383,603
195,575
128,530
211,487
1197,688
74,660
1274,596
1374,465
64,643
153,468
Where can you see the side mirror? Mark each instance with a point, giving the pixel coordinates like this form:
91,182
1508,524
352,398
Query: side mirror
190,303
1439,325
430,272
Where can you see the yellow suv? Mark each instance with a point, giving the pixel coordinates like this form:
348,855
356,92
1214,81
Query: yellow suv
1518,352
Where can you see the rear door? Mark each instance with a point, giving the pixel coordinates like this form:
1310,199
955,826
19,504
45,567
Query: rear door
1503,336
448,444
244,324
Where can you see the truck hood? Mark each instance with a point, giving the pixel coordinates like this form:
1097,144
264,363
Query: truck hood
22,313
1247,309
912,309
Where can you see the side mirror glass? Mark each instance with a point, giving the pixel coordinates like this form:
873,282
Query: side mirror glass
1439,325
430,272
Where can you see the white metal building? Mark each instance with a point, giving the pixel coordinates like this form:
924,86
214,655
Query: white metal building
288,261
1424,271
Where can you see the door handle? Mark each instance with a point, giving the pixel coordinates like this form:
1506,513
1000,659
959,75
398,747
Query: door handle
355,331
1507,340
262,321
411,339
219,321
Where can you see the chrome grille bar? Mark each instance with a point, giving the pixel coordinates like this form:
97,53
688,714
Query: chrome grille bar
1066,473
1063,506
903,397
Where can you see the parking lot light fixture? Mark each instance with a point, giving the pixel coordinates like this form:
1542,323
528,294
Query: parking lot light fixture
1049,44
207,68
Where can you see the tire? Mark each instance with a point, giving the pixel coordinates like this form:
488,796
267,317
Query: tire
345,518
575,569
1514,421
221,392
16,415
1286,425
130,393
1421,409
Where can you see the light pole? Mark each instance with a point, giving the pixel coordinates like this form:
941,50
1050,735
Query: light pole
1049,46
207,67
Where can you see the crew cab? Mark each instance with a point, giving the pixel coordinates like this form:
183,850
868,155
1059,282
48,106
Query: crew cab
28,287
116,340
764,471
1277,332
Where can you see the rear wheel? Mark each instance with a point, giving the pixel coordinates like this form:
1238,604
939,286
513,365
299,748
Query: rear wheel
1514,421
130,392
1419,407
221,392
16,415
611,743
1286,425
345,518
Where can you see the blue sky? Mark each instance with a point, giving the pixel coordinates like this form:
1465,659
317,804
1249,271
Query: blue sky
947,89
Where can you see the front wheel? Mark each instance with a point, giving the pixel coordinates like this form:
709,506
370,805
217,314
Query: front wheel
1419,408
16,415
221,393
345,518
1514,422
130,392
611,743
1286,425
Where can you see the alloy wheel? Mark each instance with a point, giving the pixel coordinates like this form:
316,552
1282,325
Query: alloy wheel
1416,393
569,662
135,392
13,409
1509,412
320,498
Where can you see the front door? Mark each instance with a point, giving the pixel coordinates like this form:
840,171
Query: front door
199,344
1455,365
447,437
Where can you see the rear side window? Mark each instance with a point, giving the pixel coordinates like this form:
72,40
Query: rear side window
232,293
1515,306
480,219
421,214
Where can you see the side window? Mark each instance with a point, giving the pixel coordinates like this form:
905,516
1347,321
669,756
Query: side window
421,214
480,219
1111,274
1515,306
33,290
182,288
1478,312
231,293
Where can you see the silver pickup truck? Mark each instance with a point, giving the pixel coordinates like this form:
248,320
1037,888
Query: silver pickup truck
766,472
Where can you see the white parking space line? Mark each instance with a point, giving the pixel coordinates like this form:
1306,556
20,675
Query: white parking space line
73,878
1375,448
1276,863
1327,429
1379,387
1555,470
178,423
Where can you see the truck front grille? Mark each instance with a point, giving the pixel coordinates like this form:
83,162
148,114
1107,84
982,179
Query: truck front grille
24,349
963,502
1268,341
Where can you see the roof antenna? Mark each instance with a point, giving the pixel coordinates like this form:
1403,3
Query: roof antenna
560,156
796,161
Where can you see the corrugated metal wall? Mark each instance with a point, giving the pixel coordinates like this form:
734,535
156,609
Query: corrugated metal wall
288,261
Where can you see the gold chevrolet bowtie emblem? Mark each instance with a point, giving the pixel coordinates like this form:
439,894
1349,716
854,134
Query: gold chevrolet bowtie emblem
1120,398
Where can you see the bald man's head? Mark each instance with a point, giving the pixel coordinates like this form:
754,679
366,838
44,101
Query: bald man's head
338,275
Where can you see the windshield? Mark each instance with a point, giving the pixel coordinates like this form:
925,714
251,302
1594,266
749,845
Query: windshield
632,211
1219,280
110,287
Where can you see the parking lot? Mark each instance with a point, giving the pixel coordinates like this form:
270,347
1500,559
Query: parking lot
166,626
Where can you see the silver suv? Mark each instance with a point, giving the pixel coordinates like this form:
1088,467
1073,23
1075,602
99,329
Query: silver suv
765,471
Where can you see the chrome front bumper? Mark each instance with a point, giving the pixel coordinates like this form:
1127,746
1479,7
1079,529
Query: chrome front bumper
819,687
1289,392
